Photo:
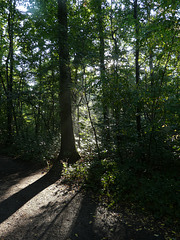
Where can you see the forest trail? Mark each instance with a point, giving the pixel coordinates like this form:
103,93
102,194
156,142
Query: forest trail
32,207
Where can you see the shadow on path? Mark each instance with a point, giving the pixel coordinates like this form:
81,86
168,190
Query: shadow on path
16,201
69,216
61,211
12,171
84,226
79,218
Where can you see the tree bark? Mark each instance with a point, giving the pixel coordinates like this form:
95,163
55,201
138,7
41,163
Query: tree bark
9,70
138,116
68,150
103,72
90,118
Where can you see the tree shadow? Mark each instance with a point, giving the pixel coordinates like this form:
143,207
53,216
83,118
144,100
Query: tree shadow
84,226
58,220
76,220
13,171
16,201
63,219
70,220
14,179
72,216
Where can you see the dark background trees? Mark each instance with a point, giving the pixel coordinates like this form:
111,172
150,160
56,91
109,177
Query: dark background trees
107,69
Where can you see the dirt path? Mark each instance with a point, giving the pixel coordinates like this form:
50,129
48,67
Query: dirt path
32,207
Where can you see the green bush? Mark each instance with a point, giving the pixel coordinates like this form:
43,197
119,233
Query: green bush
135,184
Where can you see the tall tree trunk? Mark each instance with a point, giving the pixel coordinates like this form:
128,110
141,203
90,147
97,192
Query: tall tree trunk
89,114
116,108
9,70
103,72
53,102
68,150
138,116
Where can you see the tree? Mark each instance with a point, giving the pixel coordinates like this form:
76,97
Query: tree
137,49
68,150
130,51
9,70
103,77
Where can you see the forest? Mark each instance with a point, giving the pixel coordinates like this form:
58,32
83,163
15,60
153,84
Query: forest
92,89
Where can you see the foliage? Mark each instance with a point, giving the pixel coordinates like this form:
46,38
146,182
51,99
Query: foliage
124,68
136,186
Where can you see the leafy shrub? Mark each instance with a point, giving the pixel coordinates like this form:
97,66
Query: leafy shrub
132,183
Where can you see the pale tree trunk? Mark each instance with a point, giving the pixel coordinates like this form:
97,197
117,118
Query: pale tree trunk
103,72
89,114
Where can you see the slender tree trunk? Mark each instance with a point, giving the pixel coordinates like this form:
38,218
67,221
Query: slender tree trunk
9,70
53,102
152,87
90,118
116,108
138,110
68,150
38,128
103,73
78,128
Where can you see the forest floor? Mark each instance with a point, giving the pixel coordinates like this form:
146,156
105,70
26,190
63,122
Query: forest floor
34,206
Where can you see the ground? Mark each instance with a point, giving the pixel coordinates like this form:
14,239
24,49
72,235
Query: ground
35,206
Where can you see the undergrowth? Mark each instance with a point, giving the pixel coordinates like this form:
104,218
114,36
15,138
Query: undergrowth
145,188
32,149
